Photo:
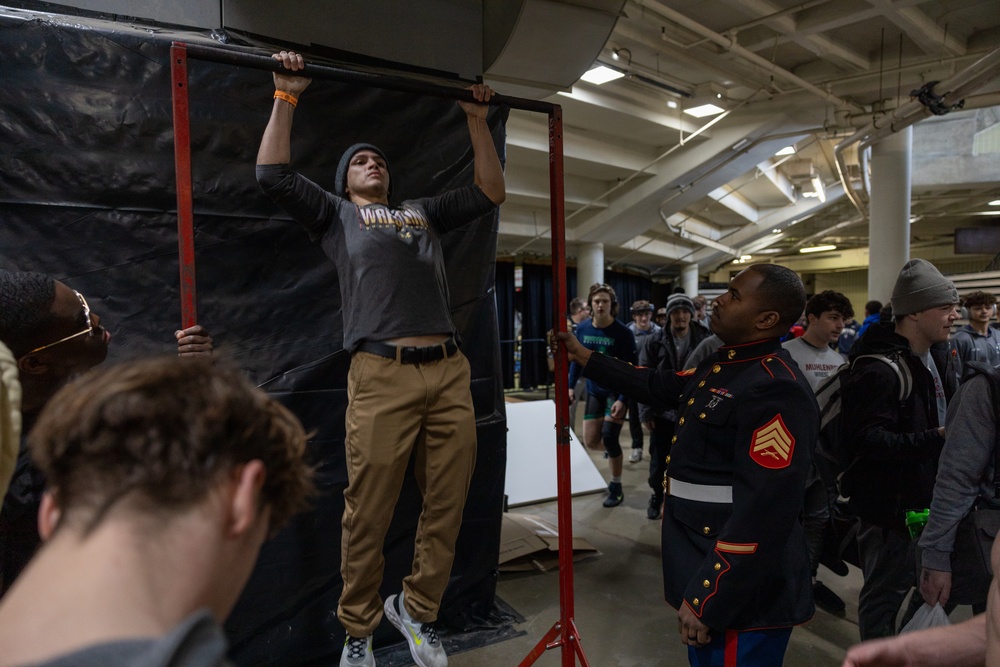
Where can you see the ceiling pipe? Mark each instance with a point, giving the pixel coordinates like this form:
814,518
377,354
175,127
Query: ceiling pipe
866,184
701,240
842,174
966,81
636,173
658,158
955,89
715,245
730,45
829,230
624,30
981,101
777,15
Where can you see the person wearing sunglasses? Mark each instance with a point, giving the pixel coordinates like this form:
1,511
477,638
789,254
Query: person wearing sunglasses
53,336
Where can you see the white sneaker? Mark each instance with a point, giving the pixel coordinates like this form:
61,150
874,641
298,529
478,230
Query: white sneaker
425,646
636,455
357,652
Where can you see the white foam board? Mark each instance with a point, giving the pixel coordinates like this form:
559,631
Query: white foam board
531,456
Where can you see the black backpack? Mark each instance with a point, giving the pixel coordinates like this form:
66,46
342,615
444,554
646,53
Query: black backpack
833,454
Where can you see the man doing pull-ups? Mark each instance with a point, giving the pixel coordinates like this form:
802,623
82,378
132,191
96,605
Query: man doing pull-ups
409,385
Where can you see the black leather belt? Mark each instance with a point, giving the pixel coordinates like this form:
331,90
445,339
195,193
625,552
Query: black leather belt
411,355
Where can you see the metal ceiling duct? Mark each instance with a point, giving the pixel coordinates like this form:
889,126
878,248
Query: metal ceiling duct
537,47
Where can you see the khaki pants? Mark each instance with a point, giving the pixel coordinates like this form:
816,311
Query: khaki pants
393,409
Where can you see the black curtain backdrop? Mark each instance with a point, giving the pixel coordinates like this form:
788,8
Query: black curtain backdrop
87,194
506,303
535,304
629,288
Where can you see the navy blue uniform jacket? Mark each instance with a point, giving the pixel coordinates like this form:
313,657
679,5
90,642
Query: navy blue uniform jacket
746,419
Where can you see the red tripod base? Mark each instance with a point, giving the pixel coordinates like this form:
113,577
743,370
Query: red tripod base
556,638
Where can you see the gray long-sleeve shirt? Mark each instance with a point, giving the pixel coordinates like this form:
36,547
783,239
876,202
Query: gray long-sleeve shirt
965,470
973,346
389,260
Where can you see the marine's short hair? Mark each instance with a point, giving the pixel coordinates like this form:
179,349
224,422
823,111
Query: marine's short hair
979,298
830,300
872,307
780,289
25,309
154,437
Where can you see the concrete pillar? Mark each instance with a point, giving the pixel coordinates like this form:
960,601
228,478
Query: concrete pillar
589,267
889,212
689,279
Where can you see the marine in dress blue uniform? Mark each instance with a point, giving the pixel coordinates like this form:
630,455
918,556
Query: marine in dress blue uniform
734,551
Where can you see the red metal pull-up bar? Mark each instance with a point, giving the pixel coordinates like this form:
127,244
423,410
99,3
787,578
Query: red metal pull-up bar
564,633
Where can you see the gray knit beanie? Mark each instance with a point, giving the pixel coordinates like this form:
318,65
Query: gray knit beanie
345,161
675,301
921,286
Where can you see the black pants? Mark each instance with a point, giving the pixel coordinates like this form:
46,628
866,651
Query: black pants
634,425
659,449
889,569
815,517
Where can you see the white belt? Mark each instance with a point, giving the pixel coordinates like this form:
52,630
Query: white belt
704,493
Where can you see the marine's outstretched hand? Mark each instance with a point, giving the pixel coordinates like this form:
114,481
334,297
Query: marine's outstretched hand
574,348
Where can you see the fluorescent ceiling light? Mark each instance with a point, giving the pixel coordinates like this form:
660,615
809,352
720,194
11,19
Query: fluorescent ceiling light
787,150
818,248
673,105
601,74
995,202
704,110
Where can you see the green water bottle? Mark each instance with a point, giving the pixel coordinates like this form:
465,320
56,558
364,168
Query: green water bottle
915,522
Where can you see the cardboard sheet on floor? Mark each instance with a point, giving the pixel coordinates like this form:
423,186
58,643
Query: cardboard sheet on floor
528,542
531,456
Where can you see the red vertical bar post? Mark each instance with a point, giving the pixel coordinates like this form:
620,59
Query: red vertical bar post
182,167
564,487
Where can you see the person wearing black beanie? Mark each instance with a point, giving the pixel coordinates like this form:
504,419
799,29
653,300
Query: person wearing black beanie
409,384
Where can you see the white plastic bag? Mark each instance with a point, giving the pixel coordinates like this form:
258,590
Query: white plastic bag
927,617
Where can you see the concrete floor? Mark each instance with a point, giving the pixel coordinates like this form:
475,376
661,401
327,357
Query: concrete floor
620,612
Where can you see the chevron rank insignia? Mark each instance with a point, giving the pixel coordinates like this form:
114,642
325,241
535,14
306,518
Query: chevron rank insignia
772,445
689,371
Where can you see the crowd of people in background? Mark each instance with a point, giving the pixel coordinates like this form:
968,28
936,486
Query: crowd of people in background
918,424
733,411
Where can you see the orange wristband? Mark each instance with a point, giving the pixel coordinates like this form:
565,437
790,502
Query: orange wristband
282,95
